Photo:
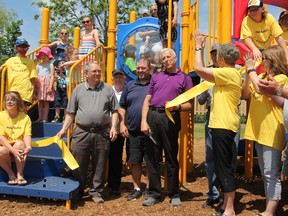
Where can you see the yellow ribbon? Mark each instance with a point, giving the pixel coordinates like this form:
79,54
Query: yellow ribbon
191,93
66,154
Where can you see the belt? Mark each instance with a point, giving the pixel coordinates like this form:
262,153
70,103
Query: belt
157,109
92,129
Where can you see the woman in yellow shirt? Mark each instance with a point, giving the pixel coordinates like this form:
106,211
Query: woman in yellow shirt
265,123
15,137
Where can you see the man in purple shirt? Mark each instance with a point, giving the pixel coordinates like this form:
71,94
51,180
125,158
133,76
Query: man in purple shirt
163,133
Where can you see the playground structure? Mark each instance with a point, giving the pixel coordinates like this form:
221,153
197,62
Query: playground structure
220,32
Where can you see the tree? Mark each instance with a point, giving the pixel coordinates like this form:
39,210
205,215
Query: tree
9,32
70,13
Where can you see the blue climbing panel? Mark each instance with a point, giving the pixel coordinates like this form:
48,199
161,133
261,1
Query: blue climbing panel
125,31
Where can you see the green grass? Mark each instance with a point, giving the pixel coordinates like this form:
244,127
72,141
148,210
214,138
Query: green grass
199,131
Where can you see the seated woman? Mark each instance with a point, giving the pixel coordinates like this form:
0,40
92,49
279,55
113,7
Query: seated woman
15,137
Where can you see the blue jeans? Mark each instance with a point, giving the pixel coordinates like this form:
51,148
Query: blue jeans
213,185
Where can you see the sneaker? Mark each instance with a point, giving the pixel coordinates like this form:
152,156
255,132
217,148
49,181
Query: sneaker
175,201
98,199
150,201
210,202
56,119
136,194
146,194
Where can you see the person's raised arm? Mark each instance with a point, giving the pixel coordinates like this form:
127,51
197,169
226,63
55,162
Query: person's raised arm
145,128
205,73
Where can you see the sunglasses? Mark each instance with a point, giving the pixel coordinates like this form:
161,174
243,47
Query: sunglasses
153,10
86,21
22,48
64,33
11,100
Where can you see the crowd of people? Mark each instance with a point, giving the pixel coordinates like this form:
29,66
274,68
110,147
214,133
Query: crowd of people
133,114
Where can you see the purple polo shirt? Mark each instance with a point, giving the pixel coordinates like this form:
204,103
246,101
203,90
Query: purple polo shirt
166,86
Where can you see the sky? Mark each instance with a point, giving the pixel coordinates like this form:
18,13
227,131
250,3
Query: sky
31,29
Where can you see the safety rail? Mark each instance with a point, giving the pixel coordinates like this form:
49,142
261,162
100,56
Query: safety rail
76,74
4,78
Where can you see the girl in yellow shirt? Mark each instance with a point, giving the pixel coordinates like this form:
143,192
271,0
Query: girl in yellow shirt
15,137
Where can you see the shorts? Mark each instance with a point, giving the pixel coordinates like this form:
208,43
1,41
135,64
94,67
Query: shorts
164,31
137,142
157,47
61,99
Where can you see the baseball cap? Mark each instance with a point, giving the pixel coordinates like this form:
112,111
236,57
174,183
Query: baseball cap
214,47
145,11
21,41
117,71
255,3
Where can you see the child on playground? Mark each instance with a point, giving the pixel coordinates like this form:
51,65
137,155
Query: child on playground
162,12
44,86
61,99
71,54
89,37
283,22
259,29
62,44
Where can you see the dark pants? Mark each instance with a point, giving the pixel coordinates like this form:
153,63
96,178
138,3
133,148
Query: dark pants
115,163
224,150
165,133
84,145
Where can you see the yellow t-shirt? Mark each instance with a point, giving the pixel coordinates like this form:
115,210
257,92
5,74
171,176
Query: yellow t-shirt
263,34
265,123
20,72
14,129
225,98
285,35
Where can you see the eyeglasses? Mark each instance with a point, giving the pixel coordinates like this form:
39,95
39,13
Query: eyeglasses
11,100
264,59
141,68
85,21
95,71
22,48
64,33
152,10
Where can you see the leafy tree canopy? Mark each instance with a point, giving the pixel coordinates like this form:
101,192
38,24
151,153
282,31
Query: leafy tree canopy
9,32
70,12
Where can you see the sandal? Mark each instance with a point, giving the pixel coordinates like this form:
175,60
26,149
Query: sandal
22,181
12,180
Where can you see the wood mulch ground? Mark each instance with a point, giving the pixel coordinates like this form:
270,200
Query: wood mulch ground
249,198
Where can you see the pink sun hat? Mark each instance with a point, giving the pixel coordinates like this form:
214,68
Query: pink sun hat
46,51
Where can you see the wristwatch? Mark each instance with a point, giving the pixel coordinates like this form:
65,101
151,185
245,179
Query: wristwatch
279,91
198,48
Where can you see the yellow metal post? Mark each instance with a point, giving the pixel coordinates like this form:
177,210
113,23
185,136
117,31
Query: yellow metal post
45,26
132,19
76,37
185,160
111,40
225,21
169,23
